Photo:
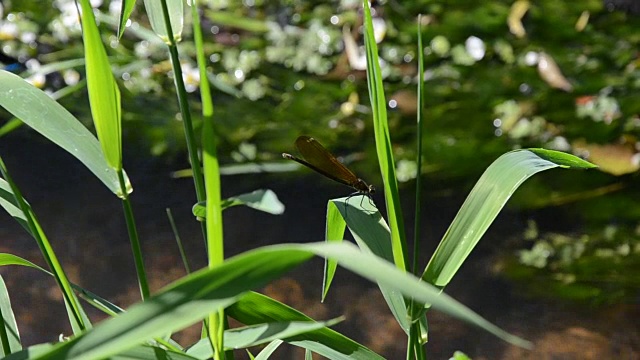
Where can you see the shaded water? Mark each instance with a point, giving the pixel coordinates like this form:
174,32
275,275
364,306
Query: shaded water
85,225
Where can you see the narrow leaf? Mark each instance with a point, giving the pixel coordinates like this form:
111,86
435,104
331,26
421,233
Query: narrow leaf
487,198
383,143
372,235
262,200
248,336
156,18
199,294
334,232
104,95
9,335
43,114
268,350
125,13
255,308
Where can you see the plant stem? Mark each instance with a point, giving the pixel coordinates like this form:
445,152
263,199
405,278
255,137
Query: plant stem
133,237
183,103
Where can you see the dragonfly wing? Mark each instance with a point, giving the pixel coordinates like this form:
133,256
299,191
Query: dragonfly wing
314,153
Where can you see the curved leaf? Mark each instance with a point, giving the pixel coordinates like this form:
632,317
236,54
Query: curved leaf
487,198
248,336
176,16
372,234
104,94
192,298
9,328
46,116
255,308
262,200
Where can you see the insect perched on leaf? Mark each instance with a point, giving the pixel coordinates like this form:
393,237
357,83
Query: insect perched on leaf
316,157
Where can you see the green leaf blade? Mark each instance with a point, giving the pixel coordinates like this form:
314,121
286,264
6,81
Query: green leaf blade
486,200
43,114
104,95
156,18
9,334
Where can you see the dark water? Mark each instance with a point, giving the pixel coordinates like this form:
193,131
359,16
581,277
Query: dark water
84,223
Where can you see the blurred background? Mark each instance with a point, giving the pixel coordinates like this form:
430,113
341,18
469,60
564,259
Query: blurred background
560,266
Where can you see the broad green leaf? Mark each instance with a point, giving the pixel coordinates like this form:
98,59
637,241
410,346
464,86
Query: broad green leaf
125,12
262,200
487,198
248,336
255,308
384,149
209,290
104,95
46,116
176,15
9,335
372,234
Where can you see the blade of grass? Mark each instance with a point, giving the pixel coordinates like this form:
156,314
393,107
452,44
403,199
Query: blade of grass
216,323
420,118
158,19
416,336
104,98
198,294
43,114
125,11
262,200
93,299
383,144
77,317
254,335
256,308
104,95
9,335
485,201
215,240
334,232
176,234
142,352
372,235
268,350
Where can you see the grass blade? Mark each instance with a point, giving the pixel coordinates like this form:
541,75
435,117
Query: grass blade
383,144
372,235
104,95
334,232
125,12
262,200
193,297
9,335
255,308
268,350
253,335
175,9
483,204
43,114
77,317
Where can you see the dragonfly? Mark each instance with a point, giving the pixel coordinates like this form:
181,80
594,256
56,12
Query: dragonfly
319,159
